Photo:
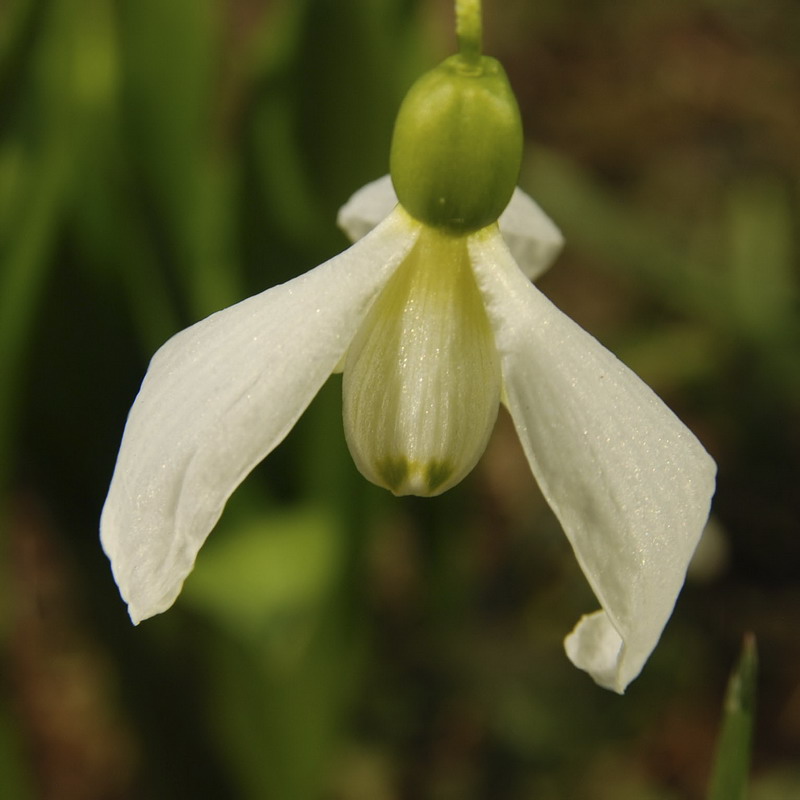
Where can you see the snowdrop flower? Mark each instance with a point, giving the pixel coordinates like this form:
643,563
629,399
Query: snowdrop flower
434,322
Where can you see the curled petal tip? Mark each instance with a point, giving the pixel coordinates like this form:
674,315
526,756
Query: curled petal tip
595,646
628,481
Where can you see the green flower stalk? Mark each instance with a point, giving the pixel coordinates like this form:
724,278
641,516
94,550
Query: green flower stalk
469,30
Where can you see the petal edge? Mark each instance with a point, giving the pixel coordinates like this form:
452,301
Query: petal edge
217,398
630,484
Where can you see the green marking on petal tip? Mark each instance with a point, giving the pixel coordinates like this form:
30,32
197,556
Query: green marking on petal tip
436,473
393,471
402,477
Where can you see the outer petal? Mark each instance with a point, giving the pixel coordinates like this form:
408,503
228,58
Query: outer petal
217,398
530,234
367,207
628,481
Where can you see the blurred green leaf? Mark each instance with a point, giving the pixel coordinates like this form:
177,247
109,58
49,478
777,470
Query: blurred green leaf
170,64
280,724
283,650
357,61
24,264
764,289
732,767
322,117
595,221
35,150
266,577
110,228
35,165
18,25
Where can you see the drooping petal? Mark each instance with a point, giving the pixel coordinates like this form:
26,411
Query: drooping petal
421,386
217,398
532,237
630,484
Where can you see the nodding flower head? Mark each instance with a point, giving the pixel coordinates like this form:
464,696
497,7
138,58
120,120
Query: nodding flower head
434,321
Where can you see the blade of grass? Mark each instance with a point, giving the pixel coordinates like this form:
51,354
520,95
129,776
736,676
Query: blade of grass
732,766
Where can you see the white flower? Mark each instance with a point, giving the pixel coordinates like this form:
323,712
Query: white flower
432,331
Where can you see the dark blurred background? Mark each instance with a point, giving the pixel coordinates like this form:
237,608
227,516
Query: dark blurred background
162,159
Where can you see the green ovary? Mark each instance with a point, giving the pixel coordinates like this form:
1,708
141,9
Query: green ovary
422,377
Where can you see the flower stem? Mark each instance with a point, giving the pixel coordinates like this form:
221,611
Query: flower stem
469,30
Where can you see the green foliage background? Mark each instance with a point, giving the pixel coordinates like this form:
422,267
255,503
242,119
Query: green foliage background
160,160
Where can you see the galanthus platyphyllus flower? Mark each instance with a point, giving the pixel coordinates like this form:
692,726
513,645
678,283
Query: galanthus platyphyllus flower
434,322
